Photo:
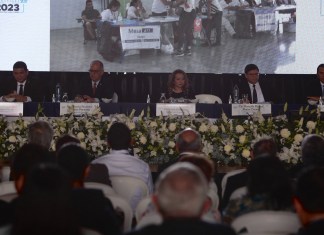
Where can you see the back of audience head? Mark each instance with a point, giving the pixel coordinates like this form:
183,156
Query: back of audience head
267,176
202,162
114,5
40,132
75,161
25,159
44,208
188,140
265,146
119,136
309,194
65,139
313,150
181,192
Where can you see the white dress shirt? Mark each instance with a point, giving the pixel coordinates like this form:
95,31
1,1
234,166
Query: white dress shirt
258,91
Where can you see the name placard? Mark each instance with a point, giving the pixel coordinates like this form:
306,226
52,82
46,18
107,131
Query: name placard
77,108
249,109
175,109
11,108
321,108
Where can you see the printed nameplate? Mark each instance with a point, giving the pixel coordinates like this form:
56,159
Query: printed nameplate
11,108
250,109
175,109
77,108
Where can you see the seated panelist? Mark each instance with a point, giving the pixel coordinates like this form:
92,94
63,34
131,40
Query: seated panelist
112,12
136,10
90,16
178,86
20,87
98,87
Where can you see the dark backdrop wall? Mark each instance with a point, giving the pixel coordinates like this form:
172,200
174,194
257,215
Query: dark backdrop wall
131,87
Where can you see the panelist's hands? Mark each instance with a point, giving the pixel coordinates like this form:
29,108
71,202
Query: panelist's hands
84,98
14,97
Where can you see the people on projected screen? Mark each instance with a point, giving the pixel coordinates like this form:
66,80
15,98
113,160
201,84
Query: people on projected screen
136,10
112,12
256,90
90,16
20,88
98,87
178,86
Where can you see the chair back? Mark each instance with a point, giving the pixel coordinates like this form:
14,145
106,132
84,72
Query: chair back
267,222
226,176
124,206
106,189
208,99
142,208
132,189
238,193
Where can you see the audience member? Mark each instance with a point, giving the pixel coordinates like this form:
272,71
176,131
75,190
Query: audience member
181,199
136,10
44,207
40,132
120,161
178,86
21,87
264,146
65,139
313,150
268,188
93,209
214,12
256,89
97,87
112,12
308,201
90,16
186,20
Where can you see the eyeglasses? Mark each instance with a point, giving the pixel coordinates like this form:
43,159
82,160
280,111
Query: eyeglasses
95,71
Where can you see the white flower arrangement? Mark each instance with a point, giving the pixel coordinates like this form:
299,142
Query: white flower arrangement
226,141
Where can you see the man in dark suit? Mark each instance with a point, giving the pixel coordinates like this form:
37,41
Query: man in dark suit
315,87
97,87
181,199
20,88
257,90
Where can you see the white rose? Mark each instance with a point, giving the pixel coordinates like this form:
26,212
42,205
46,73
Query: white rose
214,128
153,153
298,138
203,127
80,135
12,139
242,139
153,124
285,133
246,153
131,125
83,145
172,127
311,125
227,148
239,129
171,144
62,129
143,140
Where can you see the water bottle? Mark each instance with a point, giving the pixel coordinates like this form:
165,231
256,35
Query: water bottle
236,94
65,97
148,99
230,99
58,92
53,98
162,98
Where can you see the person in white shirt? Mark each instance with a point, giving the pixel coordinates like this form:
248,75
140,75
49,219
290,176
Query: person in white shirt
136,10
120,161
112,12
229,7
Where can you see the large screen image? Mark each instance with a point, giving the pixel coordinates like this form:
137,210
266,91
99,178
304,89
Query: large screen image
285,38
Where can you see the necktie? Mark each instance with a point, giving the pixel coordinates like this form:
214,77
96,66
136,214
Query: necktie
94,87
21,89
254,95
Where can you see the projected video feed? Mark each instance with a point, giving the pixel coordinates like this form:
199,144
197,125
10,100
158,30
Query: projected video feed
49,36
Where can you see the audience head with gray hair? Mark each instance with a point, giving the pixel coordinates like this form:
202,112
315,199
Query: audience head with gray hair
313,150
188,140
41,133
181,191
